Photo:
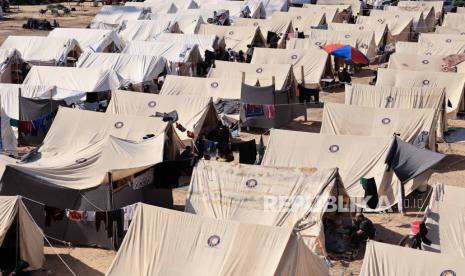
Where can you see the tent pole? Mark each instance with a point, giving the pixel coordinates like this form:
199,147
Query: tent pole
302,76
110,183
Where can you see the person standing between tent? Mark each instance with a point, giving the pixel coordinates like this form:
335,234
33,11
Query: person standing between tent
344,76
249,53
362,229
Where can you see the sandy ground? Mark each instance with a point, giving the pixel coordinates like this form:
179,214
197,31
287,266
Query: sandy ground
390,227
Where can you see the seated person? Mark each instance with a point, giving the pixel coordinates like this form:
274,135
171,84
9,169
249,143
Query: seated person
362,229
344,76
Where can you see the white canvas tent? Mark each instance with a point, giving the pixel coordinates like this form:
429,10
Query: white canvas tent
432,39
448,30
195,113
98,143
254,73
354,156
155,8
216,88
235,37
235,8
182,58
280,27
10,59
9,96
341,119
187,22
454,20
432,63
380,30
134,69
39,50
399,97
210,247
239,200
386,259
425,6
333,13
453,83
437,48
301,18
427,12
399,27
445,218
145,30
110,17
30,240
419,23
270,6
205,42
91,39
73,83
315,62
362,40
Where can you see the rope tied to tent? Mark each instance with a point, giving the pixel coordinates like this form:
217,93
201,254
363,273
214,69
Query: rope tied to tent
46,239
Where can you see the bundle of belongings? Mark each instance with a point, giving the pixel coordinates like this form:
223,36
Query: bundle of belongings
39,24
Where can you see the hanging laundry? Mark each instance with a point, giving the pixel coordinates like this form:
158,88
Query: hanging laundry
253,110
52,213
40,123
128,214
115,216
190,134
180,127
75,215
260,150
25,127
99,218
13,122
270,111
90,216
247,151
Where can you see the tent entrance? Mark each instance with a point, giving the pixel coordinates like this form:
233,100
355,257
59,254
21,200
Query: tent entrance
9,251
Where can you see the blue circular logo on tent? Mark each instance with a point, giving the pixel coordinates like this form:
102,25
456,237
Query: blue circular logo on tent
213,241
119,124
214,84
386,121
448,272
152,104
334,148
251,183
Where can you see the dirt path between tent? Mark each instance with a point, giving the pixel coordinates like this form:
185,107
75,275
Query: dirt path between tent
12,23
93,262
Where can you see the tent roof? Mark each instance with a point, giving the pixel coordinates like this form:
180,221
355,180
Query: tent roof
279,26
72,81
42,49
210,247
341,119
399,27
445,219
356,6
427,12
205,42
235,37
145,30
379,29
454,83
132,68
438,38
386,259
270,6
82,146
9,96
191,110
188,22
424,5
454,20
254,72
314,61
395,15
354,156
435,48
93,39
331,11
203,87
301,18
170,50
448,30
110,17
432,63
223,191
31,241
